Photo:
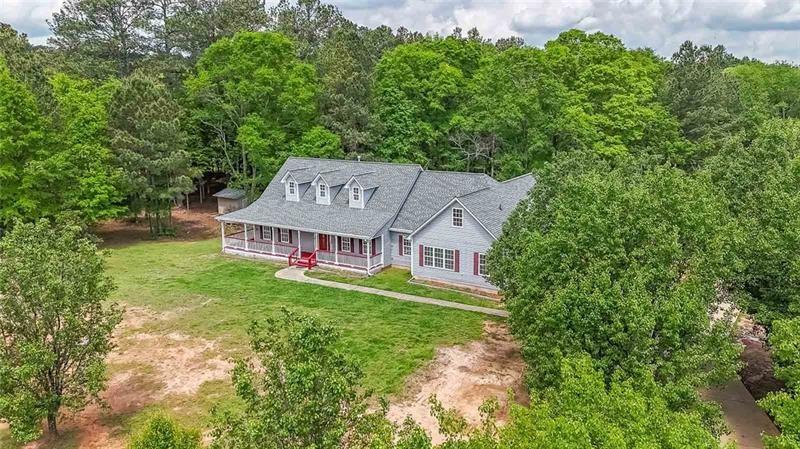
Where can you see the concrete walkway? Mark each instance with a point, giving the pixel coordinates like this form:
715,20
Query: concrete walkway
298,274
747,422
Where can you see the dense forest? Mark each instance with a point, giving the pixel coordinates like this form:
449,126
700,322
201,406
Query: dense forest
665,186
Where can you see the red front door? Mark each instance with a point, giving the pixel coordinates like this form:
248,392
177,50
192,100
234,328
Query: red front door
324,242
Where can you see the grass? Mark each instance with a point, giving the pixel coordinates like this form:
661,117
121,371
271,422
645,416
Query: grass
217,297
397,280
202,293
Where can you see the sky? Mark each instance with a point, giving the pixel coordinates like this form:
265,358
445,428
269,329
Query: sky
765,29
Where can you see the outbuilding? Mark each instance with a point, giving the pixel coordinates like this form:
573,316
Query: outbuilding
229,200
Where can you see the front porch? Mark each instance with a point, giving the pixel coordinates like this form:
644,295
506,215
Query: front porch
299,247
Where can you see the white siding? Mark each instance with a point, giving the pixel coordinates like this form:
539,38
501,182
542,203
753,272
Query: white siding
469,239
397,259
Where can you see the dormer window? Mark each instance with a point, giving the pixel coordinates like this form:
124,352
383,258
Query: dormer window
356,193
323,191
292,188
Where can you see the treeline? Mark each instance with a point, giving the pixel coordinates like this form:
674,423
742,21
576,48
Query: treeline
667,190
131,102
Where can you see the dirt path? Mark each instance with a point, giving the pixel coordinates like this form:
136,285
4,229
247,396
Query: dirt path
463,377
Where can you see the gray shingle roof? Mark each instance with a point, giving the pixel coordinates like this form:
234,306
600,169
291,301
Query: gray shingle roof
492,205
393,182
404,196
230,193
433,190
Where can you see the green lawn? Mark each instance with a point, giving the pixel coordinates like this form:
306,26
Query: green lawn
208,295
222,295
397,280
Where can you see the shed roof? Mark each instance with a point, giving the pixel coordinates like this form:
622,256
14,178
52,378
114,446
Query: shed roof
230,193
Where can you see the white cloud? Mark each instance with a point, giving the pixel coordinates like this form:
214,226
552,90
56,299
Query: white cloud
765,29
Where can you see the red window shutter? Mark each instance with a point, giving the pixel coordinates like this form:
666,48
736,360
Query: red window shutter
290,236
339,243
421,256
457,262
374,247
400,244
475,262
360,246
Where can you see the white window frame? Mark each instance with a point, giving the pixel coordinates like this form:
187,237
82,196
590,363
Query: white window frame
406,245
439,258
287,235
457,220
356,193
482,271
342,242
323,190
264,235
292,188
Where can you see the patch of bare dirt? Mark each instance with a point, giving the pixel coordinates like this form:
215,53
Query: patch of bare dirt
464,377
196,223
146,369
758,372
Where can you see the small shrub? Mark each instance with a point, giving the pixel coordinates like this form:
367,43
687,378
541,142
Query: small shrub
162,432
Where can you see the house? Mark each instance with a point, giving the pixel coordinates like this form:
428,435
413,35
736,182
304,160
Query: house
365,216
229,200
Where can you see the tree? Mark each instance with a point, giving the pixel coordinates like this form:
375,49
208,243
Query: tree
251,99
513,117
25,63
784,406
23,138
196,24
162,432
345,63
771,90
418,88
585,413
761,181
309,23
56,331
78,176
702,96
150,148
621,261
300,391
100,37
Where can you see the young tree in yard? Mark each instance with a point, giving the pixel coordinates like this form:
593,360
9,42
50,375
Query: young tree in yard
150,148
301,391
251,99
162,432
622,263
55,330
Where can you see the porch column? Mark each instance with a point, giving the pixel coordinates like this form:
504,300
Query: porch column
336,249
222,228
245,237
369,251
272,238
383,250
